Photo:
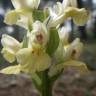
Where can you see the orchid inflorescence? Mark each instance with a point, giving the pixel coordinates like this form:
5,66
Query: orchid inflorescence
45,47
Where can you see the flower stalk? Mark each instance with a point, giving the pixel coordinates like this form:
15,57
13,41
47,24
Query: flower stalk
46,87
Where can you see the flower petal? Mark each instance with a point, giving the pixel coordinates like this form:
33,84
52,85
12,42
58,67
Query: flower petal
10,47
19,4
33,3
64,34
76,65
11,70
32,61
56,14
25,4
54,22
43,62
69,3
8,55
25,19
79,16
11,17
22,18
59,53
39,34
79,66
10,43
73,50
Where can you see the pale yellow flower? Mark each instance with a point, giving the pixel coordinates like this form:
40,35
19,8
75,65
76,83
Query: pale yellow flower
10,47
56,14
39,34
79,16
22,15
21,18
62,11
78,66
73,50
33,59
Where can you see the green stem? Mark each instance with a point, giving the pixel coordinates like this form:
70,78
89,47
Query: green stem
46,85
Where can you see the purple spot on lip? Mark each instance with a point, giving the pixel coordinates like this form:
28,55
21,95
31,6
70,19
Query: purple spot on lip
73,52
39,37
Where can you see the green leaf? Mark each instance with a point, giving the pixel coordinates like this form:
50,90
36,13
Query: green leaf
55,70
36,79
40,15
53,41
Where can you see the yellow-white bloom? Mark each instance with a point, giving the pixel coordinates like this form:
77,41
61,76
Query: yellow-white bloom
25,19
62,11
73,50
25,4
78,66
79,16
33,59
22,18
22,15
39,34
10,47
56,14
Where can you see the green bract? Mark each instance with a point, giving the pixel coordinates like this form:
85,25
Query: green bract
53,41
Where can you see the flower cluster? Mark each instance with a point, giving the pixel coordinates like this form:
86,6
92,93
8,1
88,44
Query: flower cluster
45,45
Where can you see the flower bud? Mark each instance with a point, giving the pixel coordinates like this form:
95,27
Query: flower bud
39,34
